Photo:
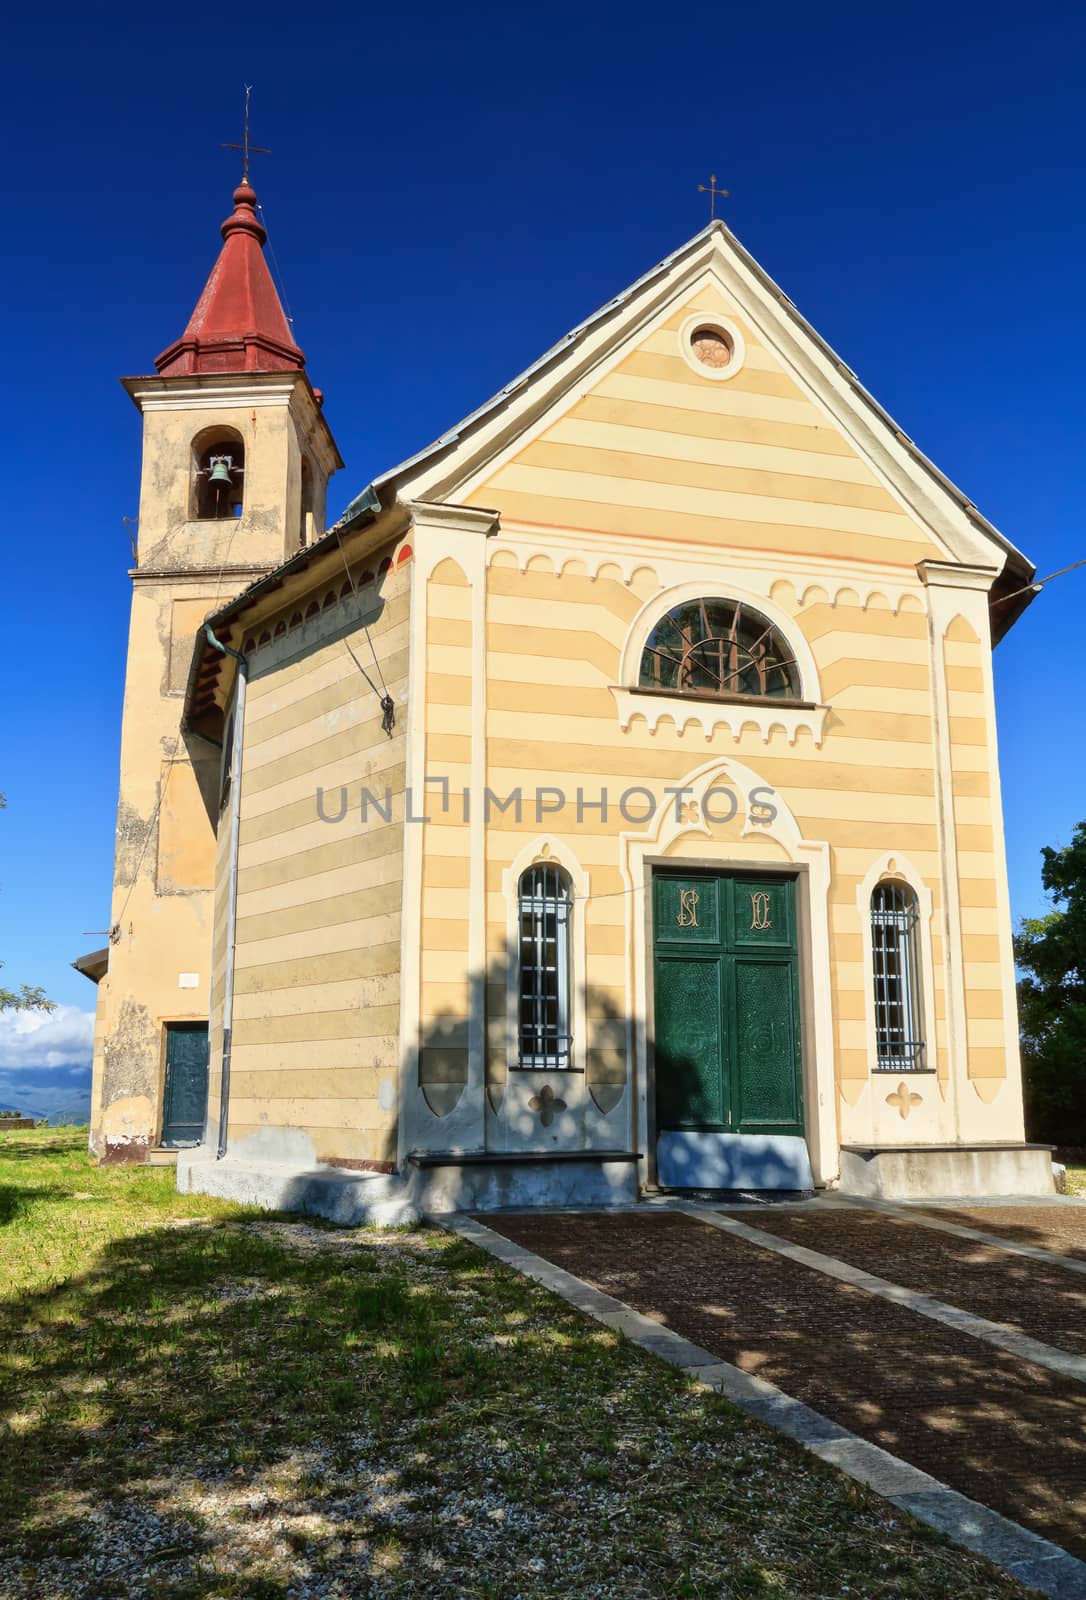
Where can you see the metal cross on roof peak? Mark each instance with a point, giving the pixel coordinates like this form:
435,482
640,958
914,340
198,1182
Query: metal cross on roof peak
714,194
245,147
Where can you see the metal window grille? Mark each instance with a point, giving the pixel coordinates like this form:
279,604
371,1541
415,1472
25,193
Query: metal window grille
718,647
895,954
545,902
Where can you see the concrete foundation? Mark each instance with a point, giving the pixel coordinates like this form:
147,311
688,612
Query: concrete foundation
444,1183
947,1172
691,1160
431,1184
352,1199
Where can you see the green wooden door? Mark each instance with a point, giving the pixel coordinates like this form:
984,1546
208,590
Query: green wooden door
184,1100
727,1004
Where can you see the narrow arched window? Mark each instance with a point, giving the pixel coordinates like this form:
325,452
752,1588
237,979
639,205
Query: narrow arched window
545,901
895,952
218,474
720,648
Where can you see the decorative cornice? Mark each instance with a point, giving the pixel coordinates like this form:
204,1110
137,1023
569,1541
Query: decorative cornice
453,518
220,391
196,390
710,715
197,574
956,575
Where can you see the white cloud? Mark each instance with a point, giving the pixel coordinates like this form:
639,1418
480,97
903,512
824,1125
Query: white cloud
60,1038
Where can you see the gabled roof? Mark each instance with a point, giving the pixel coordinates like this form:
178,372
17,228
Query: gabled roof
515,406
238,324
528,395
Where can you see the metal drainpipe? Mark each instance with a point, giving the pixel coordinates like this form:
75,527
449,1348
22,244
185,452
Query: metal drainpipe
232,886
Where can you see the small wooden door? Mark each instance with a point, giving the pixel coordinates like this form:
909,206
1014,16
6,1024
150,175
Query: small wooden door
727,1004
184,1100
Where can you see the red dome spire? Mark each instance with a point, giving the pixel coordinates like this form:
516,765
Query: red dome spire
238,324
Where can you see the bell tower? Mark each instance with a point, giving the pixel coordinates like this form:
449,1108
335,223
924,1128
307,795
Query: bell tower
236,460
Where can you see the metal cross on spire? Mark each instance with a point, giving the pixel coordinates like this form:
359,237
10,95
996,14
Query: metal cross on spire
714,194
245,147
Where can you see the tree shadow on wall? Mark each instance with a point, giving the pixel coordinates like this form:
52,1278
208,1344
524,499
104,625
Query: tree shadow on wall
443,1065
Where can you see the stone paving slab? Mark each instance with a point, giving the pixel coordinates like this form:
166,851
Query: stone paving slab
1035,1561
996,1428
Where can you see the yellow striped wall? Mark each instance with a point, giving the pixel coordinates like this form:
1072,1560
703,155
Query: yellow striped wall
444,968
869,789
986,1023
654,450
653,476
317,960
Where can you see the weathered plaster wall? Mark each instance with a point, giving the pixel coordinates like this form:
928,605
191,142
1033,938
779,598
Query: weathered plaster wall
165,843
162,875
274,431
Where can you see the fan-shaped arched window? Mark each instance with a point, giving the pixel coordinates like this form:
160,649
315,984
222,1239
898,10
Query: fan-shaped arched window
719,647
895,952
544,902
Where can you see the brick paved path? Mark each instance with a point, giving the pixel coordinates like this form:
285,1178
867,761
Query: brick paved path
1042,1300
1001,1430
1058,1228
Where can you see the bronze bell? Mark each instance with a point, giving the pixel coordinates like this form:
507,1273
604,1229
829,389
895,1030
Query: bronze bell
220,471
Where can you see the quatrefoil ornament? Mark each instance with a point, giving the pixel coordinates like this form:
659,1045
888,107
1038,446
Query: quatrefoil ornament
547,1103
905,1099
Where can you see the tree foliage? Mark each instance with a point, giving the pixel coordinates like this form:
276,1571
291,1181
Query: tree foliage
1051,955
27,997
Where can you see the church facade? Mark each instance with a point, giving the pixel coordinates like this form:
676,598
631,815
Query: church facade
609,800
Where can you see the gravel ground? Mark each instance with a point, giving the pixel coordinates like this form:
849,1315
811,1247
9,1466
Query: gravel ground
609,1478
198,1403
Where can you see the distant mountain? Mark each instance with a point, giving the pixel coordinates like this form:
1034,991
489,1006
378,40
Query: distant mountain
56,1094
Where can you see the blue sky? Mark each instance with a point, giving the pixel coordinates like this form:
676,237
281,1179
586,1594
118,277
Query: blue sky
451,189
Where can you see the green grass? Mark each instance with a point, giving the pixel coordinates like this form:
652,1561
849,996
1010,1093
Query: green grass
1076,1181
261,1408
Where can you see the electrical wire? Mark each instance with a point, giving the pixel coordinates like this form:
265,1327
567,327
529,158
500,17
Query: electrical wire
388,705
275,267
1039,583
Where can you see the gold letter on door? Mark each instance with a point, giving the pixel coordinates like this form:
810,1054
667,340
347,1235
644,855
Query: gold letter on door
688,908
759,911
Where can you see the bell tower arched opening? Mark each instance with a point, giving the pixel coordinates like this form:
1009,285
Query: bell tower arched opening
306,531
218,475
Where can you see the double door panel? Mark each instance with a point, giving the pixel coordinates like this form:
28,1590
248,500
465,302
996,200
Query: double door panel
727,1041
